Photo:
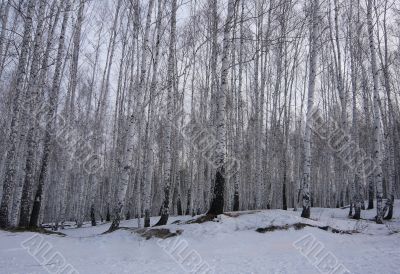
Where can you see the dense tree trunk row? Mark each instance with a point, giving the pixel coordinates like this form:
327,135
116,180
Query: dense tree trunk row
132,109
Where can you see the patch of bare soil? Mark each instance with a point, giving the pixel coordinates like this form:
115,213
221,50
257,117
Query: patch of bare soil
148,233
235,214
298,226
202,219
36,230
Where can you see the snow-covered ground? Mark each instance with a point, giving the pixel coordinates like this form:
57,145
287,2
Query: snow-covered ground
229,245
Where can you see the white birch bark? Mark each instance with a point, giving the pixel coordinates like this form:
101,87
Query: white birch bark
5,9
130,133
377,117
149,162
313,55
358,177
11,161
50,125
167,176
30,105
239,130
217,204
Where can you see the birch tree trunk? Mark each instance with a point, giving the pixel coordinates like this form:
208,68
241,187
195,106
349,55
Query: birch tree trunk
50,118
313,55
366,112
11,161
32,95
75,59
391,127
239,130
128,156
5,9
167,176
148,166
217,203
258,107
358,177
377,118
101,109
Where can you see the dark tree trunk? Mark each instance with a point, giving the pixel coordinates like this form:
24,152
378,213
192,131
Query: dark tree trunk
306,212
179,206
39,193
284,201
92,216
342,199
351,209
108,216
164,213
389,205
26,199
236,201
389,215
187,212
147,218
370,195
163,220
357,213
217,204
117,219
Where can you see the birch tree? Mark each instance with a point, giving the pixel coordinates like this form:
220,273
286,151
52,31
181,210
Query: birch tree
313,55
217,203
10,162
50,125
377,117
165,208
30,106
128,157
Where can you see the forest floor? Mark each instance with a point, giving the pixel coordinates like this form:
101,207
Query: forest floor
268,241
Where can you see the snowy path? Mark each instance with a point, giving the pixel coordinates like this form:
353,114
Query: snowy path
228,246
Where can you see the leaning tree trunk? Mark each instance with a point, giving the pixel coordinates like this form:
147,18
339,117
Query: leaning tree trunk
75,59
11,161
5,9
50,126
32,96
7,30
